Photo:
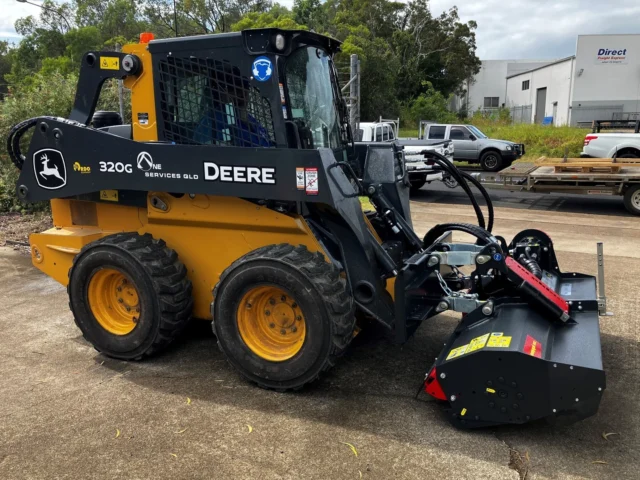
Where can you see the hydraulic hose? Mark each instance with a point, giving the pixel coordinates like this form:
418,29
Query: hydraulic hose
437,231
13,141
462,178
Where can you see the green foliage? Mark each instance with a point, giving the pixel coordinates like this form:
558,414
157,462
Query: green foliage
430,105
280,18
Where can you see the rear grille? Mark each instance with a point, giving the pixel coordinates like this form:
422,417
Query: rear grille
205,101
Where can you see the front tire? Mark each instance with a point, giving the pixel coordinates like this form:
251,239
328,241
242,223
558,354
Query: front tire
491,161
129,294
632,199
282,316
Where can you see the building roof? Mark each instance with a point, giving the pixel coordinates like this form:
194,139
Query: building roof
562,60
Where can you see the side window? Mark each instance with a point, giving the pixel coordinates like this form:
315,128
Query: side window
391,135
459,133
378,134
491,102
437,132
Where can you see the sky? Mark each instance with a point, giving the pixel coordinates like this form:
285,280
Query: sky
507,29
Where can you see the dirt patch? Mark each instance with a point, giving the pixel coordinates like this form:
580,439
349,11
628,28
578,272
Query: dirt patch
15,228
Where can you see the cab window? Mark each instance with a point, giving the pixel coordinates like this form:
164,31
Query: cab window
437,132
378,133
385,133
459,133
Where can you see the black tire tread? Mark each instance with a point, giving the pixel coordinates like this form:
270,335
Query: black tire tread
168,276
325,277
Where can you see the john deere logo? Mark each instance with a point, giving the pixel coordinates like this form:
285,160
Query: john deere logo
49,169
79,168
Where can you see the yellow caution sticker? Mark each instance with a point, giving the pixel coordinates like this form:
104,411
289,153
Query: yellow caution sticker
493,340
457,352
499,340
463,412
478,343
109,195
109,63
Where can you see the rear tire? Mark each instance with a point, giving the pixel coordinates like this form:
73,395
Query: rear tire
632,199
314,298
629,155
129,294
491,161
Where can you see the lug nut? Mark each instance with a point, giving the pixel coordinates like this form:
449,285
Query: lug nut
135,319
443,375
294,305
119,289
272,301
283,331
120,300
248,305
283,298
294,329
128,308
272,325
267,313
299,318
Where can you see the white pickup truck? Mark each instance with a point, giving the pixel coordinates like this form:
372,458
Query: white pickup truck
606,145
419,171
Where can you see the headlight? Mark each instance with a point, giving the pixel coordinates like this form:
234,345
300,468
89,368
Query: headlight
509,148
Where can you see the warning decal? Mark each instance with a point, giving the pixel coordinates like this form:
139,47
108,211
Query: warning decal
478,343
488,340
300,178
109,195
532,347
499,340
311,181
109,63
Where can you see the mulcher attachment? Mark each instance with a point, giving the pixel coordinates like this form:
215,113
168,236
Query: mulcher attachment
533,353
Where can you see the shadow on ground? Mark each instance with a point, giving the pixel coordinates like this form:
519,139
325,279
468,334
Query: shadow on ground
373,389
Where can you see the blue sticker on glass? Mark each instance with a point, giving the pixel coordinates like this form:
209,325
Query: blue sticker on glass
497,257
262,69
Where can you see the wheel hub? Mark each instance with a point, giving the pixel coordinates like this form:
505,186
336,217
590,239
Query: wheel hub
114,301
271,323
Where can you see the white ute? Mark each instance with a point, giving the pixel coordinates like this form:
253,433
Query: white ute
419,171
608,145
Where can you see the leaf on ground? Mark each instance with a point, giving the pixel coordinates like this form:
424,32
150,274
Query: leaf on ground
353,449
600,462
188,401
607,435
526,455
250,428
173,455
360,473
182,431
117,433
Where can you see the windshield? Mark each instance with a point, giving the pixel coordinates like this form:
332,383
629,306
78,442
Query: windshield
311,97
477,132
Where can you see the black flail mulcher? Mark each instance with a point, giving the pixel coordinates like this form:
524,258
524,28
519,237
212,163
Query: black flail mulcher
531,353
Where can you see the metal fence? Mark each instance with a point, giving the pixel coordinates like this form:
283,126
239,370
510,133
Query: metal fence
521,113
586,115
626,116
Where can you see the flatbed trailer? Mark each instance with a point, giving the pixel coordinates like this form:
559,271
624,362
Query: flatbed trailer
529,177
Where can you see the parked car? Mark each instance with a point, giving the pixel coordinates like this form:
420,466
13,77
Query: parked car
606,145
415,151
473,146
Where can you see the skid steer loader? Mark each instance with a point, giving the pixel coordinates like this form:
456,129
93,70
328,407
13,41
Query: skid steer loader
233,196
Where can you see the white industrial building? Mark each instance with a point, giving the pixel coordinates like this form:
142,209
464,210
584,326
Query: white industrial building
486,90
600,82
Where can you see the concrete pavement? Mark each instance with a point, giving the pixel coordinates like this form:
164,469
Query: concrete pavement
68,412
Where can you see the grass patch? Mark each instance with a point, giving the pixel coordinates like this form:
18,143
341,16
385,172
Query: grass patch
539,141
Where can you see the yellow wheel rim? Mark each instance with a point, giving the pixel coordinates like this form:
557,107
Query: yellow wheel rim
271,323
114,301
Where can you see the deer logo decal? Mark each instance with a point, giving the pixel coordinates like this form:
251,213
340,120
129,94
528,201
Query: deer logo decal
49,169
